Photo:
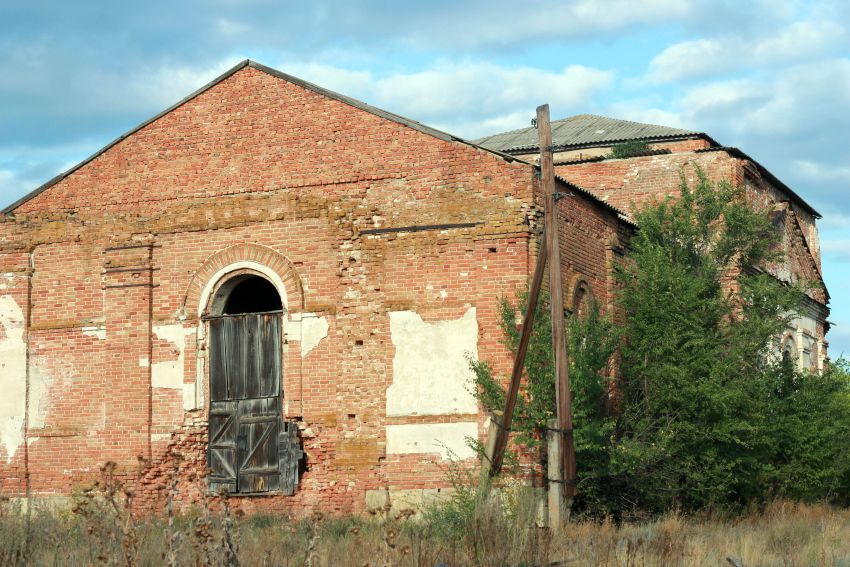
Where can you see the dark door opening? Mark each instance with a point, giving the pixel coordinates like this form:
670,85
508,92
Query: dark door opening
251,449
252,295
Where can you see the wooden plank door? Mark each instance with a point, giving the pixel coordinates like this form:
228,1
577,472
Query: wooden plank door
223,431
257,445
245,404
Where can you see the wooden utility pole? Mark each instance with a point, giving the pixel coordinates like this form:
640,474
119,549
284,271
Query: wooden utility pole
556,300
519,362
550,253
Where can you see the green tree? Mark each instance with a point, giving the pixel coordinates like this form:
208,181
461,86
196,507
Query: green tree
703,414
700,316
629,149
591,341
809,430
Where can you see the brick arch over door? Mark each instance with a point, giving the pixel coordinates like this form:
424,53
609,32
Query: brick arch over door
264,256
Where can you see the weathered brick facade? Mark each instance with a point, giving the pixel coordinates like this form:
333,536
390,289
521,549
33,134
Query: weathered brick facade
389,244
632,183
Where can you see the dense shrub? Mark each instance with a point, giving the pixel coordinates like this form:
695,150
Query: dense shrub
703,414
629,149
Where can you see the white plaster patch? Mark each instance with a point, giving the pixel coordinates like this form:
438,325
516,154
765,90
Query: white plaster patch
200,377
447,439
97,332
169,373
144,362
430,369
40,382
189,395
13,360
313,330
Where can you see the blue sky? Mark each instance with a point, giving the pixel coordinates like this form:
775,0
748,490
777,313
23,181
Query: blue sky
771,77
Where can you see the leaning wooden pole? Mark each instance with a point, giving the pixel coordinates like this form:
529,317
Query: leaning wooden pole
519,362
556,299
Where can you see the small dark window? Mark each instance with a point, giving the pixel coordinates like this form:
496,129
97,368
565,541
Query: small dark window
789,351
252,295
582,299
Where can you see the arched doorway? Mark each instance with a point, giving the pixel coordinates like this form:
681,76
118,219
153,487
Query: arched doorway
251,449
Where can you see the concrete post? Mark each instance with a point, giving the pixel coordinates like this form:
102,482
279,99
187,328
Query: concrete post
490,442
559,511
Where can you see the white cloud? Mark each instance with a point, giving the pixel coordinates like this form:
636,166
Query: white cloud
160,87
821,172
479,23
231,28
701,58
354,83
836,249
468,99
802,102
488,88
689,59
13,186
647,115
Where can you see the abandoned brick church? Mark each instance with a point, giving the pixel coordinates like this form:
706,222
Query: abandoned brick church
279,286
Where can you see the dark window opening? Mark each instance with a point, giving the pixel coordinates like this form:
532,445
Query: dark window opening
252,295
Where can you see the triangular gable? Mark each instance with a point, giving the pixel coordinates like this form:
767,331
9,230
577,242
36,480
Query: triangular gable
275,73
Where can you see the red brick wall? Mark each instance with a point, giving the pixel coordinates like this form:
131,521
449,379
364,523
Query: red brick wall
632,182
263,170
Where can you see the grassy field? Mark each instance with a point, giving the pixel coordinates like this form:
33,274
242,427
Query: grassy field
98,533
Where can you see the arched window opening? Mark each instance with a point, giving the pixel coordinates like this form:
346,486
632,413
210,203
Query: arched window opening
789,351
251,449
582,299
252,294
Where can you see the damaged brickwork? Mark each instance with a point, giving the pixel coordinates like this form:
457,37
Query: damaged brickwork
375,233
389,245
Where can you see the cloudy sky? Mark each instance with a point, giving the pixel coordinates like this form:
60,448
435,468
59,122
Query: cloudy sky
771,77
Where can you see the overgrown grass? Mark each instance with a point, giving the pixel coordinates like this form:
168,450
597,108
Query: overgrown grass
469,530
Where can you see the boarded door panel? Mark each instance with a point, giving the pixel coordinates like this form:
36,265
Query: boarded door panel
259,424
251,448
235,363
245,356
250,329
222,452
270,369
289,457
218,356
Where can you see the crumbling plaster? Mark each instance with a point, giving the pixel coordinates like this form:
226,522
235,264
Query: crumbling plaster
431,374
13,360
170,373
447,439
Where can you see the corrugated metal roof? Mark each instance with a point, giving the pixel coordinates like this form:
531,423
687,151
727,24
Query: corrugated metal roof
584,130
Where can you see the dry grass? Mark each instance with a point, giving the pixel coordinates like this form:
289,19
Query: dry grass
99,530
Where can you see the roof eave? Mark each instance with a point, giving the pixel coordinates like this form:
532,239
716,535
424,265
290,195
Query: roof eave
606,143
735,152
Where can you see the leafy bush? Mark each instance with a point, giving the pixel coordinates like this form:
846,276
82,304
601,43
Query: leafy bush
705,415
691,432
591,341
629,149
